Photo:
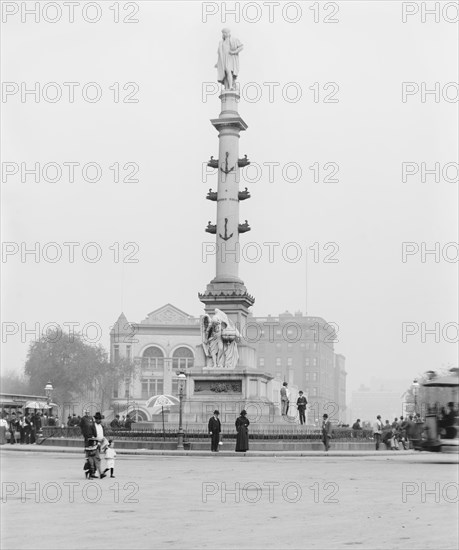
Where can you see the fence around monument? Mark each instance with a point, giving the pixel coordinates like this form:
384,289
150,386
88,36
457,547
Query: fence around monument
282,433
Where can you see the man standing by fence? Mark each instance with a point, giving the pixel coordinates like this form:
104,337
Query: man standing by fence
377,430
215,427
301,403
326,431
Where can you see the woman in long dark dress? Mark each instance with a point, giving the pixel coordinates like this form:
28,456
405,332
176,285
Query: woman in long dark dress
242,439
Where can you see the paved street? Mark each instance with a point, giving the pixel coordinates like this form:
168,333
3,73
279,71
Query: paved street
366,502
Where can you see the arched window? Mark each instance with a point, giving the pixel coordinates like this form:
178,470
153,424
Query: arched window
182,359
153,358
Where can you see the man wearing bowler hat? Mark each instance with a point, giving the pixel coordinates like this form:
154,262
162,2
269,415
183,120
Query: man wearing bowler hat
215,427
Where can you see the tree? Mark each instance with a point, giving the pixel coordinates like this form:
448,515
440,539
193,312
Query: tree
71,365
12,382
122,369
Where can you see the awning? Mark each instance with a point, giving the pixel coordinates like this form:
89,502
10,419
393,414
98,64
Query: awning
448,380
38,405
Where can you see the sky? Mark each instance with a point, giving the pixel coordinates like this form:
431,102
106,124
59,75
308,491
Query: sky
352,231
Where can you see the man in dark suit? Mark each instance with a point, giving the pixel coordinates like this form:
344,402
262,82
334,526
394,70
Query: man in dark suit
301,403
115,423
88,427
215,427
326,431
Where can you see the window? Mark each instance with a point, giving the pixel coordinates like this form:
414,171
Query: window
145,389
278,362
306,376
127,383
128,352
182,359
314,362
307,361
116,353
302,345
262,361
289,346
278,345
153,358
289,362
314,392
307,345
316,346
115,392
315,376
278,332
151,387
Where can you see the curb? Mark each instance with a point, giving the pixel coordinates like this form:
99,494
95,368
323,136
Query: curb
249,454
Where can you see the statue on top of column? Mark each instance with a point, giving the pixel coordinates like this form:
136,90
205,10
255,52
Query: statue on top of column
228,60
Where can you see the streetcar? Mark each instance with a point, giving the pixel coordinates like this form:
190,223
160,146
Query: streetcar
440,431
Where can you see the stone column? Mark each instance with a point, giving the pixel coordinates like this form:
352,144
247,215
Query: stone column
229,124
226,291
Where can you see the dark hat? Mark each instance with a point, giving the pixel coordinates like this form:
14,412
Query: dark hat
98,416
216,411
243,412
92,439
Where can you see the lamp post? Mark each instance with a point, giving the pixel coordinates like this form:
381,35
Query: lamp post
415,386
181,388
48,391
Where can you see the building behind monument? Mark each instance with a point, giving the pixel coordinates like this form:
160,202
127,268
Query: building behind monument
294,348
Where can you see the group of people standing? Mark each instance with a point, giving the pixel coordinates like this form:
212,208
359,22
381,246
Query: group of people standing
400,432
123,423
242,429
301,403
21,428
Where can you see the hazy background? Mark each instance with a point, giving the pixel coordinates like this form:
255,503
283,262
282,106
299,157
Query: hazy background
369,293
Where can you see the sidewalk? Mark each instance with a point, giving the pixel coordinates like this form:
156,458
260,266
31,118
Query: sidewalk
148,452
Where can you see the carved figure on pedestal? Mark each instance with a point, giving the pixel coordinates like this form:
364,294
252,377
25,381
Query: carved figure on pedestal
219,340
228,60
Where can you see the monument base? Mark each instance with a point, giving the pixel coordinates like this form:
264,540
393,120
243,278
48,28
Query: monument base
229,391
